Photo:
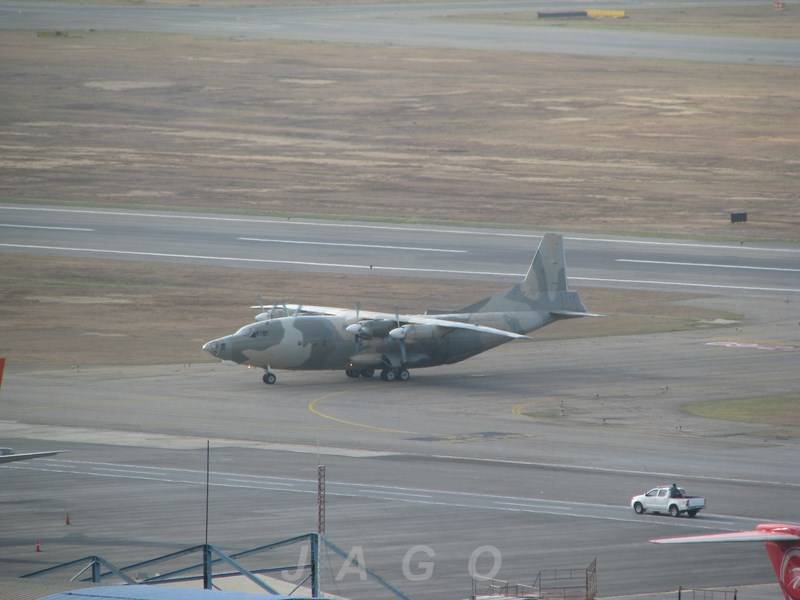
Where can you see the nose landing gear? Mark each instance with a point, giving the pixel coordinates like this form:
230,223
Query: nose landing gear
269,378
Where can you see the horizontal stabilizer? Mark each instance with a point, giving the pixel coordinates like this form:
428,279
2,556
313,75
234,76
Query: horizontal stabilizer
738,536
569,314
7,458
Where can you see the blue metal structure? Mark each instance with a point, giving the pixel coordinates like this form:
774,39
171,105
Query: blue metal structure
146,589
148,592
211,555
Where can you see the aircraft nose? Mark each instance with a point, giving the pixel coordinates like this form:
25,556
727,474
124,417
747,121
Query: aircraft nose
211,347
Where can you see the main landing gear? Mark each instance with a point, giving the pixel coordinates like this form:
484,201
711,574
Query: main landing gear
356,373
395,375
269,378
386,374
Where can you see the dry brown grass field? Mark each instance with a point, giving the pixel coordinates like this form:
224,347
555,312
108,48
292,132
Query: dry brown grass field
388,133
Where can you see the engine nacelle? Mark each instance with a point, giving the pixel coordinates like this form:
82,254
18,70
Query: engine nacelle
376,328
413,331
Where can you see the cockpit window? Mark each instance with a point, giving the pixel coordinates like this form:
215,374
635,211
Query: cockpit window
253,330
247,330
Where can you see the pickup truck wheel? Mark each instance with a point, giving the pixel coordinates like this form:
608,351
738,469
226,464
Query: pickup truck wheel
673,510
692,513
638,508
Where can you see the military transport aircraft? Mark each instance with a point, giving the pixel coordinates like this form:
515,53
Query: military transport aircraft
301,337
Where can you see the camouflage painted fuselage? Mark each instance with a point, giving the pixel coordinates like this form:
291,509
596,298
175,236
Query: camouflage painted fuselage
321,342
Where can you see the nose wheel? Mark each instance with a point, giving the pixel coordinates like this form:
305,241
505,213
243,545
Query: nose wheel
269,378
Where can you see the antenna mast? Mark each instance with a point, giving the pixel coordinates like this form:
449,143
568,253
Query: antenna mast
321,499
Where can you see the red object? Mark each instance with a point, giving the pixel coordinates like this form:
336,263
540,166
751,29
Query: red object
2,367
38,547
785,558
781,541
66,520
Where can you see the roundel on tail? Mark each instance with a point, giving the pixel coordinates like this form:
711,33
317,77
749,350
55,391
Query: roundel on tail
790,573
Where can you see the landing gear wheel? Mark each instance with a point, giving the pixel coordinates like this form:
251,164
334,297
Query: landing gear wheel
367,372
638,508
388,375
403,374
354,373
673,510
269,378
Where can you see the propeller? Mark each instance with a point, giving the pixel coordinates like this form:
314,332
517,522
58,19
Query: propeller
399,334
357,329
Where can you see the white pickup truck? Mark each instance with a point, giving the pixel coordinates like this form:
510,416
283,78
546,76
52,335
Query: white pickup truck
666,499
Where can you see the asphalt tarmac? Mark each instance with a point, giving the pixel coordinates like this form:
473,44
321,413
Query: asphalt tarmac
534,449
727,268
419,26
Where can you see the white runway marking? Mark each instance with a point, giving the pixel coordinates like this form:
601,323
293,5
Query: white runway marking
256,482
448,499
529,505
710,265
14,226
404,494
687,284
591,469
251,260
134,471
380,268
424,496
754,346
249,239
684,244
392,228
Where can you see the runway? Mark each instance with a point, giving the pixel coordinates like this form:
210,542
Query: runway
416,25
397,249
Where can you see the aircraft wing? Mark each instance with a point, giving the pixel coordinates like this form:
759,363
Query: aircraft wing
308,309
305,308
738,536
460,325
7,458
331,311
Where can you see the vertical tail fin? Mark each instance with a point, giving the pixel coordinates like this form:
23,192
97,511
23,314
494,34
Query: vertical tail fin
543,289
782,543
547,273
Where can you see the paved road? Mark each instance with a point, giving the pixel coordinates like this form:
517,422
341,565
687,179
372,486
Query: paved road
427,251
400,25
